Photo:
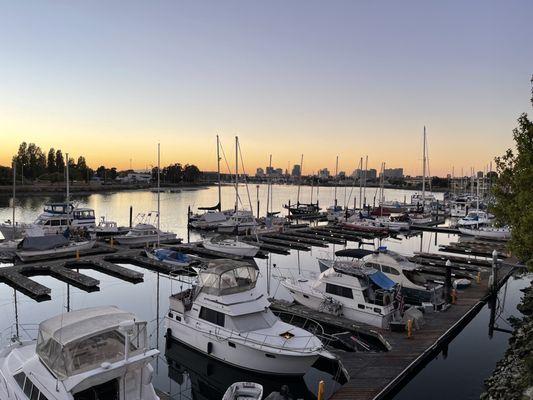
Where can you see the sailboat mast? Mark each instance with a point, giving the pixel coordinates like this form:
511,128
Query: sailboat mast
269,185
218,175
158,189
360,183
424,170
300,180
364,187
68,191
336,180
14,194
236,173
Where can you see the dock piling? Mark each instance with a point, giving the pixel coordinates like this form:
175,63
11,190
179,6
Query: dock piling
448,281
131,216
495,271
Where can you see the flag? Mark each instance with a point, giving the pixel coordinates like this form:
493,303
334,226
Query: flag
400,300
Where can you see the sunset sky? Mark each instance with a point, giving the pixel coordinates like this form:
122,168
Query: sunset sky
109,79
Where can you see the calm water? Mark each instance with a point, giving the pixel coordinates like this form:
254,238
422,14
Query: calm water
186,374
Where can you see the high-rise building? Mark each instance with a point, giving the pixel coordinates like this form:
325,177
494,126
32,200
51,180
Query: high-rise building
395,173
259,172
296,170
323,173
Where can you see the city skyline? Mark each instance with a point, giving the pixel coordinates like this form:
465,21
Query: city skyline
352,79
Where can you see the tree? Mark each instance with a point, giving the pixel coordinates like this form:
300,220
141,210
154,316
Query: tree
513,190
191,173
51,161
60,162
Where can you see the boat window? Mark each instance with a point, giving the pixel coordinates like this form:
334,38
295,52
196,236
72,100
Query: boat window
109,390
19,378
389,270
28,387
212,316
234,280
361,306
339,290
55,222
42,397
254,321
373,265
415,277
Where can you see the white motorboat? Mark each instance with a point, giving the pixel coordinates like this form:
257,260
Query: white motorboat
208,220
414,286
228,318
395,223
144,232
171,257
106,227
475,218
240,221
55,219
89,354
361,294
244,391
487,232
51,246
231,246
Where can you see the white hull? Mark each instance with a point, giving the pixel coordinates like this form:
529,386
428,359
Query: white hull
28,255
239,249
251,357
487,233
145,239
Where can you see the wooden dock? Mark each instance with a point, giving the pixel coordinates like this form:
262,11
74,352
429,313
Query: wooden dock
375,376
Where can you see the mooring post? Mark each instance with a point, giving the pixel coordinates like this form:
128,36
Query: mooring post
448,281
321,390
495,271
131,216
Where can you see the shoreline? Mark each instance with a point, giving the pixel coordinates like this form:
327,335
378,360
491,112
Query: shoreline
513,376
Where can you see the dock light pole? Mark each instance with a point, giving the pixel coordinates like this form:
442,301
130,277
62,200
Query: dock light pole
495,271
448,281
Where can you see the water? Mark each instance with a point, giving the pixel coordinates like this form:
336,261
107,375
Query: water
187,374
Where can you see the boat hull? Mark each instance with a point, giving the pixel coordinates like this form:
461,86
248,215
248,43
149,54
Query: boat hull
243,250
146,239
255,359
29,255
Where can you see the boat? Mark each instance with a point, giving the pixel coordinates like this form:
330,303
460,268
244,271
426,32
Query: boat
225,316
415,288
475,218
487,232
421,218
241,221
211,219
302,210
51,246
92,353
54,220
360,224
395,223
244,391
171,257
231,246
9,245
361,294
107,228
144,232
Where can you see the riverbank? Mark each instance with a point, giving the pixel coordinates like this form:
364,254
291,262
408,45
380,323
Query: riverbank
513,376
82,188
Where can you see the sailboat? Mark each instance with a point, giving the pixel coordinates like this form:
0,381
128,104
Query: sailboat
213,216
302,210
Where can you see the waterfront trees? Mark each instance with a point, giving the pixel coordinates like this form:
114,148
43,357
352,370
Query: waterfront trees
513,189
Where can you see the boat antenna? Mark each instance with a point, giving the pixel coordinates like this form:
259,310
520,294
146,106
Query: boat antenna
158,190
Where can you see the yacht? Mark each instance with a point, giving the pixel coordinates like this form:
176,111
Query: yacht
209,220
106,227
55,219
240,221
361,294
231,246
475,218
415,288
89,354
144,232
228,318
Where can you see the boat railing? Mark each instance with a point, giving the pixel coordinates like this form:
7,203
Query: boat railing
262,340
18,333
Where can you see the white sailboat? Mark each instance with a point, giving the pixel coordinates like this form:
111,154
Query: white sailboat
93,353
228,318
231,246
487,232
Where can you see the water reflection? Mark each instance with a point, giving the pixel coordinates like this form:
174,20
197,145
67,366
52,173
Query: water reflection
202,377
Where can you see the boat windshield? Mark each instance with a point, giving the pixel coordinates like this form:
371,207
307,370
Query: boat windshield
90,352
228,279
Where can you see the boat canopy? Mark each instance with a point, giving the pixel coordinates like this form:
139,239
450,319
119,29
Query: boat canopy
40,243
380,279
81,340
223,277
354,253
166,254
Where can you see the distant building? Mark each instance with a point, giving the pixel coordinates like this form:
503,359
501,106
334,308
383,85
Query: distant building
269,170
371,174
136,177
342,175
259,172
394,173
278,172
296,170
323,173
480,174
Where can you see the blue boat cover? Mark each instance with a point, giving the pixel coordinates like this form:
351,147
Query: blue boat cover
166,254
380,279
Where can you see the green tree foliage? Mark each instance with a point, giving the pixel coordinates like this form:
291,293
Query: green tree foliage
514,190
60,162
51,161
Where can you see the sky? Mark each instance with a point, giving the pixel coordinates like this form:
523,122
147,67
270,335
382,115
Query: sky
110,79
